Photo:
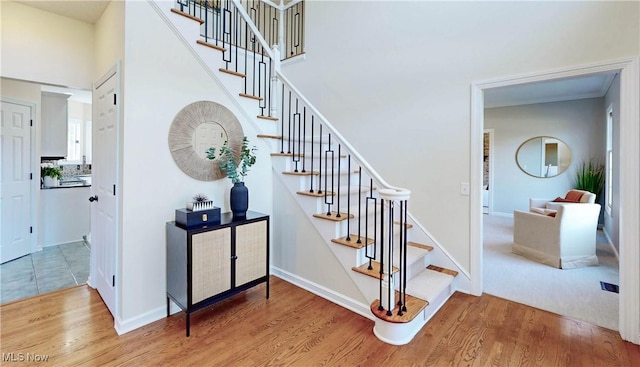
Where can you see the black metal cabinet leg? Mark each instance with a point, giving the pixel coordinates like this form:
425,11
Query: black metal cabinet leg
168,307
188,323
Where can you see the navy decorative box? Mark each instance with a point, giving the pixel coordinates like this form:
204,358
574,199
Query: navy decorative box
188,218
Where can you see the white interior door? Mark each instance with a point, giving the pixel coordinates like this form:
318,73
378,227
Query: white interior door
15,184
104,191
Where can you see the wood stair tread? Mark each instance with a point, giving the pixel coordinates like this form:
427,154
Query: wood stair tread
453,273
268,136
231,72
408,225
374,272
300,173
211,45
316,194
420,245
187,15
272,118
280,154
251,96
353,241
333,216
414,308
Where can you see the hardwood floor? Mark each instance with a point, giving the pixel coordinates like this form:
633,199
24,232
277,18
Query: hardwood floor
72,327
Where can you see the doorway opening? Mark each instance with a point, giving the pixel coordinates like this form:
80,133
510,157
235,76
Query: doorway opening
629,322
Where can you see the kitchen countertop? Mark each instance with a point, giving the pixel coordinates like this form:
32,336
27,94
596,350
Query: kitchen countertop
66,186
67,182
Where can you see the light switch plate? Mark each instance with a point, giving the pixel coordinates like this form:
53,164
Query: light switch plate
464,188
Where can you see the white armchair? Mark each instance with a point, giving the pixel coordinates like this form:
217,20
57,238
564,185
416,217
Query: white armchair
546,206
566,240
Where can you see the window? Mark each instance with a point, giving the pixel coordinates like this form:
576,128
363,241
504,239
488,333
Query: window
78,133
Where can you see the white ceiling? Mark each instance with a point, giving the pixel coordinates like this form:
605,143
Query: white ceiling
88,11
588,86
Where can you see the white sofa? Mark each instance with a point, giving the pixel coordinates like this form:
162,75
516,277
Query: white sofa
566,240
546,206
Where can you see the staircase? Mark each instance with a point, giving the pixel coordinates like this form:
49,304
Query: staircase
364,221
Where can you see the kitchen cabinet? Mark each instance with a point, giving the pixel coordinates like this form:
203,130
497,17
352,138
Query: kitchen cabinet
209,263
54,125
65,215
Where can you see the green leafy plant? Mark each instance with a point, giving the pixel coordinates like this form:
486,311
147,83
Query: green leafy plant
48,169
236,168
590,177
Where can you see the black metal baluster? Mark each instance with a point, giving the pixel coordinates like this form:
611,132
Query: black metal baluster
304,137
289,137
295,154
333,175
312,156
403,263
404,292
381,307
320,164
328,193
282,122
390,265
360,206
348,196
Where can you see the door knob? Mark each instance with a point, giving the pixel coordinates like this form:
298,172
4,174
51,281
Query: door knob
93,198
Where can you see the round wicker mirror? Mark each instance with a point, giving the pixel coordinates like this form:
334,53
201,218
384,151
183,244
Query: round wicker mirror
197,127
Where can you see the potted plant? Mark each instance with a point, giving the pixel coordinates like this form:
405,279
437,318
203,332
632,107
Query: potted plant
50,174
590,176
236,167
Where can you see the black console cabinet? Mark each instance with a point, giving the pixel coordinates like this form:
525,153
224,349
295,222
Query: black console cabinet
206,264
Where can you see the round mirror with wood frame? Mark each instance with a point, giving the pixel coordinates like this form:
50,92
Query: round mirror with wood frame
197,127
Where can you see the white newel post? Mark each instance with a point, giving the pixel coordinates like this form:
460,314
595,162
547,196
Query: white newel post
281,44
275,86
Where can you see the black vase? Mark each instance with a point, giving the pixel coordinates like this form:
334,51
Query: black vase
239,200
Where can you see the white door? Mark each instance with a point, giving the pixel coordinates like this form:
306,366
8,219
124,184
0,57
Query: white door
104,190
15,184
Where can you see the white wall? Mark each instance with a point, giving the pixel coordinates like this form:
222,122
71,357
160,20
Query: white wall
612,222
45,47
395,77
160,78
300,250
109,39
578,123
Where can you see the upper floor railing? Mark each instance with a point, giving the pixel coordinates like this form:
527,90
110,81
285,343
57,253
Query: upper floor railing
279,24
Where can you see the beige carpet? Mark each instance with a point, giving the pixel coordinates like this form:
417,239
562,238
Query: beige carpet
575,293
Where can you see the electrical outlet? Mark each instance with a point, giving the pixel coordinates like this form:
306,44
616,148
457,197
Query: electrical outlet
464,188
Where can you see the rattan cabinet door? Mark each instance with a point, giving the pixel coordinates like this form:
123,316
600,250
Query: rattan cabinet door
251,252
210,263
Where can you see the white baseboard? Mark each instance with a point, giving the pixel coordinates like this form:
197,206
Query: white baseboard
613,248
125,326
321,291
500,214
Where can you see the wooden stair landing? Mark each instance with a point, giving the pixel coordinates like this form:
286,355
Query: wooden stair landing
414,308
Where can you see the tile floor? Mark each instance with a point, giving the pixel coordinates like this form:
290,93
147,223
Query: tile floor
53,268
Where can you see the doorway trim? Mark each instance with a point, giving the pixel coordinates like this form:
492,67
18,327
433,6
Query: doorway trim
34,189
629,314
